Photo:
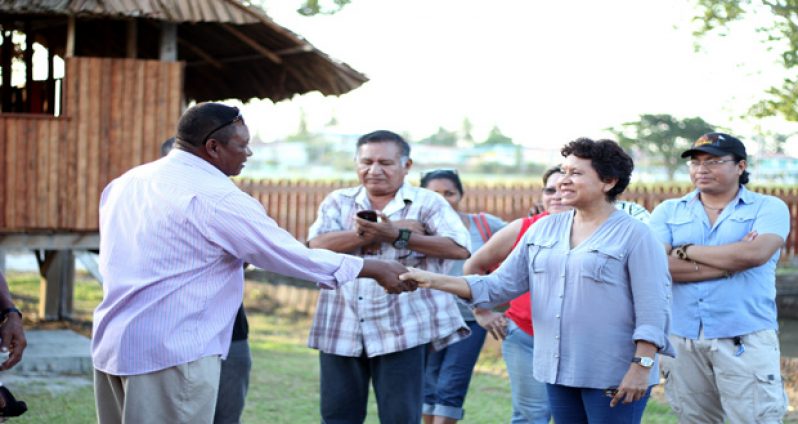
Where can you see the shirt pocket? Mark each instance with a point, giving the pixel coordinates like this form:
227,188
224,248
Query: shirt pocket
539,254
739,224
604,264
685,229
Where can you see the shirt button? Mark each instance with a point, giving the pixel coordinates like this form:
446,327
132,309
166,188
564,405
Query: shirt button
700,300
561,296
558,316
557,337
556,356
360,298
361,319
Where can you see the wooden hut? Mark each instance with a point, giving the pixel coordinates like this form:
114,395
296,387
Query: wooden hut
129,69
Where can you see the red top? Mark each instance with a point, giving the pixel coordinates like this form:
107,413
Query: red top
520,310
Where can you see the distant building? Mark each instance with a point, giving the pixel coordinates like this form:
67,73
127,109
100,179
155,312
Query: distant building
775,168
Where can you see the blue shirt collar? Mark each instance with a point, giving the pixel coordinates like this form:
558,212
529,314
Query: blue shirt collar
743,195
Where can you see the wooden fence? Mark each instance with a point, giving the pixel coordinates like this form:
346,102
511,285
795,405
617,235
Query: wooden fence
294,204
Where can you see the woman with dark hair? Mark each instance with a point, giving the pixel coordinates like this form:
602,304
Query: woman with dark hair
600,292
448,371
514,327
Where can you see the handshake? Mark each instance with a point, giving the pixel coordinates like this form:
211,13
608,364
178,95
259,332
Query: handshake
394,277
387,273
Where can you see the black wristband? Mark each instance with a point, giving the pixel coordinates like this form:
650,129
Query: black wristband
4,313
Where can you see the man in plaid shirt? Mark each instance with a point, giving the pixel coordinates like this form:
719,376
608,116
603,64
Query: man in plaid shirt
362,332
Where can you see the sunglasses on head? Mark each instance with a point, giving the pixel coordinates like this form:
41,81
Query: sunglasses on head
237,118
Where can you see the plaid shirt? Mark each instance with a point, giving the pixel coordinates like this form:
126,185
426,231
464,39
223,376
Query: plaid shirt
360,314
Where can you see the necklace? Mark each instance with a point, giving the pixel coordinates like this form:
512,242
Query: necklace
711,208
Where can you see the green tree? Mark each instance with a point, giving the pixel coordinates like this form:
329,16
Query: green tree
780,26
496,137
661,137
465,132
443,137
316,7
302,133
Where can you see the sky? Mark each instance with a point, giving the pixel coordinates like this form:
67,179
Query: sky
543,72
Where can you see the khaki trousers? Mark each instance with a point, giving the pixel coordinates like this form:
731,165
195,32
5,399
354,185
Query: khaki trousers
182,394
708,381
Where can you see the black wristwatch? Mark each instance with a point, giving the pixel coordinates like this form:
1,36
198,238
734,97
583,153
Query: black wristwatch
404,237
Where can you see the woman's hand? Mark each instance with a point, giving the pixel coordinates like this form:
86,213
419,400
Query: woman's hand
430,280
633,386
424,279
494,322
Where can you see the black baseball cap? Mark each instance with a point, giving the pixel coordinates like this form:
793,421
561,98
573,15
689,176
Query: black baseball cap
717,144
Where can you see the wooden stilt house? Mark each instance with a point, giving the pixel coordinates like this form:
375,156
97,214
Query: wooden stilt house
90,88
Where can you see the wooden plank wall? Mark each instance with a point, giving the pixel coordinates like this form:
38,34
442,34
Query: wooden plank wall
116,114
294,204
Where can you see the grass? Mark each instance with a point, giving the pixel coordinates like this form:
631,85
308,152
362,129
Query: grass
284,385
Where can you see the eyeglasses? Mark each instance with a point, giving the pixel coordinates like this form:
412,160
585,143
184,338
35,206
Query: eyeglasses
709,164
237,118
439,171
549,190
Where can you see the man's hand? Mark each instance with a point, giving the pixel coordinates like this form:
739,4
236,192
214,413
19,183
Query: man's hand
385,231
494,322
13,340
387,272
750,236
415,226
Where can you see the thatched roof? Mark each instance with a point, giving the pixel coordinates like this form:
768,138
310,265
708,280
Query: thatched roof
231,49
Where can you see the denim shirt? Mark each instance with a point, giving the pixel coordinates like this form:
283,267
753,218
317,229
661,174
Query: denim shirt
726,307
589,303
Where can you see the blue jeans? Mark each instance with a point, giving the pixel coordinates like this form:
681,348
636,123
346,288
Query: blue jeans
576,405
397,378
530,401
233,384
448,374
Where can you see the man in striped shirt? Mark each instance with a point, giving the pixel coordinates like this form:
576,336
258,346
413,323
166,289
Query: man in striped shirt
174,234
363,333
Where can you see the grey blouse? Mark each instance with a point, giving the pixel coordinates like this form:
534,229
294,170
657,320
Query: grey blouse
589,303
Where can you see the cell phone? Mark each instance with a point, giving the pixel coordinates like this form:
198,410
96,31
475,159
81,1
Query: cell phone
368,215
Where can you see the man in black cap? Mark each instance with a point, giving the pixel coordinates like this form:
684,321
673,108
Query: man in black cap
723,243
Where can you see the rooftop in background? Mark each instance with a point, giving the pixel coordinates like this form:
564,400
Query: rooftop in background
231,49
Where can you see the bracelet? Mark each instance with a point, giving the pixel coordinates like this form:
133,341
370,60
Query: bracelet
681,251
4,313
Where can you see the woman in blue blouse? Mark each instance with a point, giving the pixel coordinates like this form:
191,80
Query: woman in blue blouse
600,292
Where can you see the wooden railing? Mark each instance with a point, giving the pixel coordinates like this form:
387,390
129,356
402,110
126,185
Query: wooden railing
294,204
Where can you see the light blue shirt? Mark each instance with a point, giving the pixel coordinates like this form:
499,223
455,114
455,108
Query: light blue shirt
590,303
726,307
